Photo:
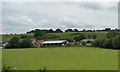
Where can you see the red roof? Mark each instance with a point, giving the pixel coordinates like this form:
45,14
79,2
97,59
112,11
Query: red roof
39,41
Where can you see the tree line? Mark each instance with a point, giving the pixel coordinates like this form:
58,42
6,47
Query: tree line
23,42
71,30
111,42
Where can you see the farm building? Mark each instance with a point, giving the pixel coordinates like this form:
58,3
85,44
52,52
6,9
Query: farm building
55,43
37,42
88,40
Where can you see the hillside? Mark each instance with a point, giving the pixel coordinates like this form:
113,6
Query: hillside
56,36
71,35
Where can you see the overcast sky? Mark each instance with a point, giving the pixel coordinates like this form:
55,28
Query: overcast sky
18,17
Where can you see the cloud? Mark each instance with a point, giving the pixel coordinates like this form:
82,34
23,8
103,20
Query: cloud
60,0
23,20
112,6
24,16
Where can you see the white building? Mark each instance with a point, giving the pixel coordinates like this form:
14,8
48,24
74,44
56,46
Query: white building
55,43
88,40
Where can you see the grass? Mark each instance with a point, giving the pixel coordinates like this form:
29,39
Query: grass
0,59
71,35
56,36
58,58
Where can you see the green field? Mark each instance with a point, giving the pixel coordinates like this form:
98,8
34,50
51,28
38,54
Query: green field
66,58
0,59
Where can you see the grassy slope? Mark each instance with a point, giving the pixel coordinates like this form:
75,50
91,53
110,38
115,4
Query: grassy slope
7,37
74,58
68,35
0,59
100,35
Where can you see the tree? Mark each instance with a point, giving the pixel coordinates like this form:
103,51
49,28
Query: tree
25,43
39,33
58,31
107,29
51,31
44,31
70,40
94,30
76,30
79,38
23,36
32,31
82,36
84,30
98,43
94,36
112,34
116,42
69,30
13,43
83,43
89,36
108,43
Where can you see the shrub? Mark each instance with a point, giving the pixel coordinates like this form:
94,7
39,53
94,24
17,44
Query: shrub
79,38
98,43
6,68
83,43
44,69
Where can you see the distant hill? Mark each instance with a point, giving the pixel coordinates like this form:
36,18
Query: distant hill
56,36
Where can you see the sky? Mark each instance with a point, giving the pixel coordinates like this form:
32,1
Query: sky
20,17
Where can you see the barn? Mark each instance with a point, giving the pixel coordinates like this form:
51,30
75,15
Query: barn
54,43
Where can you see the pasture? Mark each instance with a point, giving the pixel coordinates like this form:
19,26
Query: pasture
57,36
61,58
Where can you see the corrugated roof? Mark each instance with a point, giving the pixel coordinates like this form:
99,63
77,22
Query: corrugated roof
57,41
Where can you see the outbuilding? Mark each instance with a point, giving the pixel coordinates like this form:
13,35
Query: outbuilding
54,43
88,40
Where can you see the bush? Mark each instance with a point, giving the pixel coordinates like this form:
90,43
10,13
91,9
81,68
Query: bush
79,38
83,43
7,68
98,43
44,69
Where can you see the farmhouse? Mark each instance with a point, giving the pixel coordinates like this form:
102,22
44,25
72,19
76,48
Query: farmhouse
55,43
